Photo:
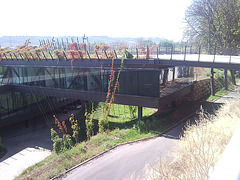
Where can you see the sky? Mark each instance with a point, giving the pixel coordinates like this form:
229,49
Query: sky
114,18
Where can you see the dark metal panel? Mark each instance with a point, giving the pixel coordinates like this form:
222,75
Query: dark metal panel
5,89
87,95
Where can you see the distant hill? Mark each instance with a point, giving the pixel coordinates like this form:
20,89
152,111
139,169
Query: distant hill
14,41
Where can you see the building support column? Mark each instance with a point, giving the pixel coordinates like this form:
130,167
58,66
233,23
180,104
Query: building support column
139,113
212,83
165,76
225,79
233,77
173,78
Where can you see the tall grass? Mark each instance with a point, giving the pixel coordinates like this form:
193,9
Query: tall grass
200,147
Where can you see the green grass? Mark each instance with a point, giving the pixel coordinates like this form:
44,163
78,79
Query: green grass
219,94
123,129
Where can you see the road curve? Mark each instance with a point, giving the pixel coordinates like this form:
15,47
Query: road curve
124,160
121,162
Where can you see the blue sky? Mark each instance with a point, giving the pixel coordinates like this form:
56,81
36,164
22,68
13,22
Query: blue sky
125,18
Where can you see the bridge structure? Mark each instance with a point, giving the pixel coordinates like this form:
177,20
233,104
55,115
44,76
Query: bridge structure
88,78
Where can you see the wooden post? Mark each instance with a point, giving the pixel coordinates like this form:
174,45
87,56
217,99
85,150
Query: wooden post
225,79
212,83
233,77
139,113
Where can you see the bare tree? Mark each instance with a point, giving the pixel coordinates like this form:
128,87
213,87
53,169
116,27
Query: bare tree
213,23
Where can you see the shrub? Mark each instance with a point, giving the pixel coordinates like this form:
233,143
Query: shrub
67,142
127,54
103,124
132,111
57,145
145,126
89,124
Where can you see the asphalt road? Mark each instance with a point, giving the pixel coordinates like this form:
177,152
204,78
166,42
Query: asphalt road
121,162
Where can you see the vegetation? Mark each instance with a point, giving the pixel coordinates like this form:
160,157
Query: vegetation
219,75
200,147
214,23
123,126
122,130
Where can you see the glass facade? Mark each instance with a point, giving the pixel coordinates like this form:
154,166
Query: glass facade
131,82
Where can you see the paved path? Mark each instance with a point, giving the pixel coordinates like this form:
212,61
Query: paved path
24,150
123,161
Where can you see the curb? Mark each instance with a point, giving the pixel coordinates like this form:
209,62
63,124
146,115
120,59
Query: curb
136,141
122,144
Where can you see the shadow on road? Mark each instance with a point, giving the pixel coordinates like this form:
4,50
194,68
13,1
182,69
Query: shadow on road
209,109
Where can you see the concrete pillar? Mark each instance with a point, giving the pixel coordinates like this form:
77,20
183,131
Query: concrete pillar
173,78
233,77
212,83
225,79
139,113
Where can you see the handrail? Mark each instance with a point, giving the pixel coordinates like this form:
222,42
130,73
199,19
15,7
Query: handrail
228,165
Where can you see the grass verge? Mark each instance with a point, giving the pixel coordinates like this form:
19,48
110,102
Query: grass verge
200,147
220,93
124,128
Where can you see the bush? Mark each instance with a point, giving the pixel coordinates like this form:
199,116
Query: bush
127,54
145,126
57,145
67,142
103,125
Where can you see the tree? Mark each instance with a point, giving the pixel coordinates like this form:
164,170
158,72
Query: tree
143,42
213,23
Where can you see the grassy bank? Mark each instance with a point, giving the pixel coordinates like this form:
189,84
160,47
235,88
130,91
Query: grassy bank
200,147
220,93
124,127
